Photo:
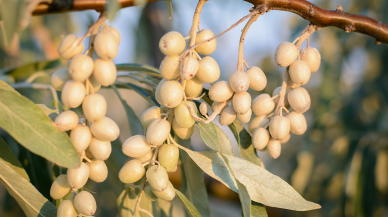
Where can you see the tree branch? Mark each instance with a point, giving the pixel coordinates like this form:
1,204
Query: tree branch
308,11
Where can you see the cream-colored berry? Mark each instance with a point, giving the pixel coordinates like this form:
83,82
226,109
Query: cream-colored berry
59,78
182,132
94,107
67,120
203,108
290,84
136,146
299,99
285,140
106,45
105,72
158,131
260,138
81,137
300,72
227,116
220,91
98,171
115,32
182,114
246,117
105,129
168,194
170,93
258,121
66,209
298,123
157,177
263,104
170,67
60,187
168,156
149,115
70,47
242,102
312,56
73,94
274,148
172,43
77,177
95,84
100,149
257,78
146,157
208,47
193,87
239,81
132,171
285,54
85,203
279,127
189,68
81,67
208,70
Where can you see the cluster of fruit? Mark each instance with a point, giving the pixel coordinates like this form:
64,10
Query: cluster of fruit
91,134
297,73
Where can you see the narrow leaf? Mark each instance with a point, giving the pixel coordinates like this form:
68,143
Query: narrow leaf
143,92
134,122
10,159
29,199
27,123
189,207
12,12
22,72
169,6
50,111
215,138
244,199
149,70
112,7
162,208
7,87
194,181
126,203
258,210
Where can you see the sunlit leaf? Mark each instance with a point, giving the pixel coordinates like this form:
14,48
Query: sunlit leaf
52,112
143,92
10,159
258,210
146,69
215,138
6,86
126,203
27,123
189,207
169,6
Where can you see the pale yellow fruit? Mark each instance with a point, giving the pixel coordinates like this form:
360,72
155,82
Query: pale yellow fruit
208,47
105,72
77,177
262,105
98,171
168,194
298,123
258,121
312,56
216,104
242,102
115,32
172,43
105,129
193,87
60,187
279,127
260,138
290,84
285,54
171,94
81,137
95,84
136,146
170,67
239,81
299,99
59,78
132,171
227,116
67,120
182,114
81,67
158,95
89,154
85,203
276,92
285,139
66,209
274,148
203,108
168,156
189,68
106,45
220,91
158,131
245,118
208,70
94,107
182,132
300,72
257,78
149,115
101,150
146,157
148,192
70,47
73,94
157,177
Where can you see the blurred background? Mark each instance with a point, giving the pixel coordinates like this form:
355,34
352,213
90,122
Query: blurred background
341,162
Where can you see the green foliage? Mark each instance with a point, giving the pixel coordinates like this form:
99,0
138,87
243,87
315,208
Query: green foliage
9,158
112,8
12,13
189,207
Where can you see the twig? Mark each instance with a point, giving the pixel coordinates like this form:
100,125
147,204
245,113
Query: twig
93,29
196,20
240,61
310,29
285,109
196,98
35,76
210,118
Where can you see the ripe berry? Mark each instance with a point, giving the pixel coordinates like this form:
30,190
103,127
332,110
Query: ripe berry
245,118
136,146
298,123
279,127
85,203
216,104
148,192
81,67
300,72
105,72
170,67
100,149
242,102
172,43
208,47
66,209
106,45
73,94
94,107
59,78
157,177
285,139
285,54
149,115
105,129
257,78
170,94
60,187
77,177
260,138
158,131
168,194
290,84
131,172
208,70
70,47
189,68
274,148
203,108
182,114
146,157
258,121
168,156
115,32
182,132
262,105
239,81
81,137
95,84
312,56
227,116
220,91
98,171
299,99
193,87
67,120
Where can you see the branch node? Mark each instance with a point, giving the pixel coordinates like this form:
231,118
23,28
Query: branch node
339,8
349,28
378,42
311,11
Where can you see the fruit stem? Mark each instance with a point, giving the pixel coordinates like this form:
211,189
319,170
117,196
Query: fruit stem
96,26
310,29
141,187
196,20
196,98
240,59
274,97
285,109
211,118
196,54
282,94
246,64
